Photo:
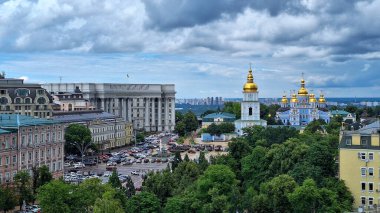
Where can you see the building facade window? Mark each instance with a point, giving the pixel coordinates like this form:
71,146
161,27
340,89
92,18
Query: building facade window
370,156
363,142
370,171
362,155
370,201
370,187
363,186
363,171
348,141
363,201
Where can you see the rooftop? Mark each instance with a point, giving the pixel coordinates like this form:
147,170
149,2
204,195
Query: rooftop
220,115
78,116
2,131
339,112
14,120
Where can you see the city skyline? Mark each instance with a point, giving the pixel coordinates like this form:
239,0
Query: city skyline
204,48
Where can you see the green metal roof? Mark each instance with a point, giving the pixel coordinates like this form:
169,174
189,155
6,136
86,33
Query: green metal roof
339,112
2,131
11,121
220,115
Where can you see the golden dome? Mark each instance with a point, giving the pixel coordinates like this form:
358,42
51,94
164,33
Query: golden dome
294,99
302,91
312,98
322,99
284,100
250,86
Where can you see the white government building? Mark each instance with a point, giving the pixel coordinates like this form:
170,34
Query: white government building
250,106
150,107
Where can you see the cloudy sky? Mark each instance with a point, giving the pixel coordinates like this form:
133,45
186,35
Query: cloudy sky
203,47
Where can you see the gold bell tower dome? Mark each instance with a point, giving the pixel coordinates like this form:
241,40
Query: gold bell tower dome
302,91
250,86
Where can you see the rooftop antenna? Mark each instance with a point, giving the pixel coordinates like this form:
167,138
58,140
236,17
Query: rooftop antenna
60,79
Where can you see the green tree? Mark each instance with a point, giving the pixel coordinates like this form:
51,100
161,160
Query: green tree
114,180
278,190
180,128
35,181
186,158
108,204
184,175
24,188
255,167
202,162
218,129
140,137
143,202
8,200
213,129
239,148
78,138
160,184
176,160
129,188
44,175
217,189
283,157
306,197
351,109
56,197
178,116
87,192
316,125
191,122
233,108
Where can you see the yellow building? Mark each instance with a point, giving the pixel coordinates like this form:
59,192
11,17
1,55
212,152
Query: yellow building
128,133
359,164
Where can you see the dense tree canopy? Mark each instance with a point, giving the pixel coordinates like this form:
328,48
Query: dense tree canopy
186,123
78,139
218,129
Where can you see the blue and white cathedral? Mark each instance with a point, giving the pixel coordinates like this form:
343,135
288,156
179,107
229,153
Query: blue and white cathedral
250,106
302,108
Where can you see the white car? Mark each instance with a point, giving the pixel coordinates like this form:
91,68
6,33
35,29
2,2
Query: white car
134,173
111,163
79,165
107,174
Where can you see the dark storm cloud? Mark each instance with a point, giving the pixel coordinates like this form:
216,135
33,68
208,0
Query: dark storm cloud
171,14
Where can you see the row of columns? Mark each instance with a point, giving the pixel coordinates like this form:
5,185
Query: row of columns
125,108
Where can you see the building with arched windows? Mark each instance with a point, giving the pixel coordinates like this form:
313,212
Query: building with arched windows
250,106
17,97
302,108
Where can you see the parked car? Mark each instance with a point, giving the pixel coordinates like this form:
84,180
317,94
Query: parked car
33,208
146,160
79,165
164,160
138,161
111,163
191,151
134,173
89,162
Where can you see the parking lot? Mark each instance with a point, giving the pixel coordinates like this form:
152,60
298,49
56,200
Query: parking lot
140,168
